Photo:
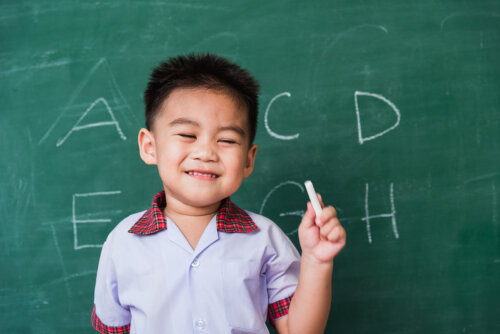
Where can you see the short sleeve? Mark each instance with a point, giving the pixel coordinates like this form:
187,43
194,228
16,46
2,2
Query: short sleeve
282,273
108,316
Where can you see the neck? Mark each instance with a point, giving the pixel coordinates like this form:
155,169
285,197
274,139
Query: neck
177,211
191,221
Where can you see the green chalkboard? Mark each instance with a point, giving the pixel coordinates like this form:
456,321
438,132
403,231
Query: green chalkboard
391,108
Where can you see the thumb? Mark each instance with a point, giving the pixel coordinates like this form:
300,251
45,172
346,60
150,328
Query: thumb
309,217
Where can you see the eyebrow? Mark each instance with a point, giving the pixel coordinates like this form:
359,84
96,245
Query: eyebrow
233,128
187,121
183,121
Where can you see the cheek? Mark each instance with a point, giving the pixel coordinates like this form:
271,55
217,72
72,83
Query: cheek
235,163
169,151
170,157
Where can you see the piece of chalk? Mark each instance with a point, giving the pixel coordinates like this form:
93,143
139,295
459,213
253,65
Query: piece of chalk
313,197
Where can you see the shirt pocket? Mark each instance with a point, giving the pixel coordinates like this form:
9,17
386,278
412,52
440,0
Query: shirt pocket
245,304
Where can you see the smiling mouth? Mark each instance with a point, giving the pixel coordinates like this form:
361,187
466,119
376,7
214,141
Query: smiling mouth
202,174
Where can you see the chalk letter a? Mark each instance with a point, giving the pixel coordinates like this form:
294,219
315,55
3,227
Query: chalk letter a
78,127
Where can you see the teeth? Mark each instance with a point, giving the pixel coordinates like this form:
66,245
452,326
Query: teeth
202,174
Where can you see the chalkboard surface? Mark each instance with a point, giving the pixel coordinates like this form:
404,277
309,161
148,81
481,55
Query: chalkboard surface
391,108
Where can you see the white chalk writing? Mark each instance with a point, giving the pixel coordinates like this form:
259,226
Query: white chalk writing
298,213
368,218
266,122
380,97
78,127
76,221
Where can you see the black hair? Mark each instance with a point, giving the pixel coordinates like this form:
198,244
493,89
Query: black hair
202,71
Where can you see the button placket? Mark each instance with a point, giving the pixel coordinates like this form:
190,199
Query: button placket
199,324
195,263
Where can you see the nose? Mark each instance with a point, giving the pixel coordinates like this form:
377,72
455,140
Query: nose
205,151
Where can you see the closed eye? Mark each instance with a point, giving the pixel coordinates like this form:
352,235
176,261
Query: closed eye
227,141
186,136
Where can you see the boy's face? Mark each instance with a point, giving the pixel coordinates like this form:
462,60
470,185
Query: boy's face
200,143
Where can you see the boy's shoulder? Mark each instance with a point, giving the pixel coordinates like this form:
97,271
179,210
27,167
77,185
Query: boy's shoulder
267,228
261,221
121,230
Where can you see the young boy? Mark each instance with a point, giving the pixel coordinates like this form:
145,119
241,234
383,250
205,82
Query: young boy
195,262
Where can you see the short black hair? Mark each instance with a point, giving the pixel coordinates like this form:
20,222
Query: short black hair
202,71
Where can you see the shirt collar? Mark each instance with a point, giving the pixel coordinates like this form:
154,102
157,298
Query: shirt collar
230,218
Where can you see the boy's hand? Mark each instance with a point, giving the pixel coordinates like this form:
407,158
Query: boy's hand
321,238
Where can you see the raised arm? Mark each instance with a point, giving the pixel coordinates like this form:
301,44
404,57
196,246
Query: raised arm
321,239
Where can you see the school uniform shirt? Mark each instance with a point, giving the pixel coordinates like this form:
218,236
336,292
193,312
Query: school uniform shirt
150,280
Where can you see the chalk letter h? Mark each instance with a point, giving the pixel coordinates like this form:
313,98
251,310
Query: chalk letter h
367,218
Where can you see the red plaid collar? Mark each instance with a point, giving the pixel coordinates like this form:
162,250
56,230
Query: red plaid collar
230,218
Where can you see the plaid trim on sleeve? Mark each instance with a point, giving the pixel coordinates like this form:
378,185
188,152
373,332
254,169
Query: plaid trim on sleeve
232,219
103,329
278,309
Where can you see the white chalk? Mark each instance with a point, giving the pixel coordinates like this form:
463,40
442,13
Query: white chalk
313,197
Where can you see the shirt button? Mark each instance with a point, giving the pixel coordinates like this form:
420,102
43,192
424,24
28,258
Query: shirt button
195,263
200,324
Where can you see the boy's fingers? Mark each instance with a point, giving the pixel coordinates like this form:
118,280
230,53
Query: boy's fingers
329,227
326,214
309,216
326,229
321,203
321,200
336,234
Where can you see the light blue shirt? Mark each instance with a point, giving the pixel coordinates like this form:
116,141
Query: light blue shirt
159,284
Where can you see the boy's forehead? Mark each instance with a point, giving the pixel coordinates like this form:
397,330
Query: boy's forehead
183,95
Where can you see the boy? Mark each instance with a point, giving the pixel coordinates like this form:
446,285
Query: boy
195,262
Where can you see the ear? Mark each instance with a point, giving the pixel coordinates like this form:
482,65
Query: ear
252,152
147,147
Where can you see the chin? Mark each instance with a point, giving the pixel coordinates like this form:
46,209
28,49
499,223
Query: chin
204,201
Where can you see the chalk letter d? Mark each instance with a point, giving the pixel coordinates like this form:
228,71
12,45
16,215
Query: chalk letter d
380,97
